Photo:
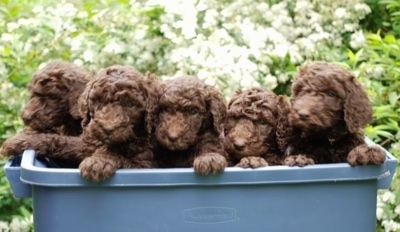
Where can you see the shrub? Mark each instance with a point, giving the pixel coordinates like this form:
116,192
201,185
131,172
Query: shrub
377,65
228,43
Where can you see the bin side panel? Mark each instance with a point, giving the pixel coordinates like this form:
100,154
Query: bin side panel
19,188
329,207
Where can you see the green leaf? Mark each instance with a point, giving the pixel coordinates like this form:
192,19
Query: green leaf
393,98
351,55
389,39
374,37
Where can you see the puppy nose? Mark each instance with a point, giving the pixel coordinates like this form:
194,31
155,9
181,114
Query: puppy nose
239,144
173,134
303,113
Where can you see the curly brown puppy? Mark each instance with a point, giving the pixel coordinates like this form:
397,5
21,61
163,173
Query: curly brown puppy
250,129
189,126
118,112
53,106
52,109
329,110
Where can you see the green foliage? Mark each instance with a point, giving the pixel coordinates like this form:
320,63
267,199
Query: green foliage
393,7
262,44
11,100
378,19
378,66
10,206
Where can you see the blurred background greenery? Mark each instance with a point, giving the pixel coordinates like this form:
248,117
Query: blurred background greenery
232,44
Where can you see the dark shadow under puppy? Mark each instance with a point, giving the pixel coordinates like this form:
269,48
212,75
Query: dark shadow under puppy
189,126
329,110
250,129
51,115
118,112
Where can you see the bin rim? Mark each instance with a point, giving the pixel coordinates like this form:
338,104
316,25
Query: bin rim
34,174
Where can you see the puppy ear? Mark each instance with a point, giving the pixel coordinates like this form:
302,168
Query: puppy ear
234,97
283,128
217,108
357,107
83,105
75,93
153,89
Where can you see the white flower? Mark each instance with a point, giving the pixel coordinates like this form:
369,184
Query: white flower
280,50
38,9
65,10
4,226
18,225
340,13
271,81
24,22
78,62
357,40
391,225
210,18
88,56
389,197
11,26
397,210
82,14
7,37
76,42
350,27
113,48
379,213
362,7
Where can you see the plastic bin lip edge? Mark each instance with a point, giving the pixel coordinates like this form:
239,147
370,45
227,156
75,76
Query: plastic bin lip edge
232,175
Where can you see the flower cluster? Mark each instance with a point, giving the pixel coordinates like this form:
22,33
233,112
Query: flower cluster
17,225
388,210
232,44
219,42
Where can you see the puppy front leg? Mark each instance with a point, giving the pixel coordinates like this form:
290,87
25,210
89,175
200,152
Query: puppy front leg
364,154
209,163
252,162
297,160
99,166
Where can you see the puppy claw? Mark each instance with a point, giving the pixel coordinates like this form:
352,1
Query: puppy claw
97,168
209,163
252,162
364,154
298,160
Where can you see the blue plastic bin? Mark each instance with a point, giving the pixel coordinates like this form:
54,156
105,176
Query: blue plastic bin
320,198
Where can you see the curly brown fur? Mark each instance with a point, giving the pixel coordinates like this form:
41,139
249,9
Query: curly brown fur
329,110
54,91
63,151
118,111
52,109
250,129
190,125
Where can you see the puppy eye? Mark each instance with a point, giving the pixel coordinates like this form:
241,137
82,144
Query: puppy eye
263,122
193,112
330,94
167,109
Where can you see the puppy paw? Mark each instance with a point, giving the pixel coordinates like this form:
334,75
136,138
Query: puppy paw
209,163
97,168
16,144
252,162
298,160
364,154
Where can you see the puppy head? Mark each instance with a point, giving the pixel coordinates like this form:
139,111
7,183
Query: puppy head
54,91
325,95
251,123
188,108
116,104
